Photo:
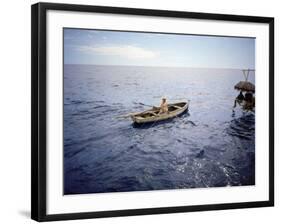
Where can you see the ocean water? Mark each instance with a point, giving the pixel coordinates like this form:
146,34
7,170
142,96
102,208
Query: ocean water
209,146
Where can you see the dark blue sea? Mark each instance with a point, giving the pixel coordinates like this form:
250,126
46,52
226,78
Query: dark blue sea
209,146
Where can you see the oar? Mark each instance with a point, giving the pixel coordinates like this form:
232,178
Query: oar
144,104
132,114
127,115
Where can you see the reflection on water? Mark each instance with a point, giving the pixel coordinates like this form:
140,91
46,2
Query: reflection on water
209,146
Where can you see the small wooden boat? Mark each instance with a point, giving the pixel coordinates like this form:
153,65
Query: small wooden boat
153,115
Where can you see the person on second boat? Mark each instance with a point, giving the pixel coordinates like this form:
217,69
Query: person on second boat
239,99
164,106
240,96
249,101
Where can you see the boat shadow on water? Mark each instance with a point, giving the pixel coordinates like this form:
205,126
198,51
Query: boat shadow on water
157,123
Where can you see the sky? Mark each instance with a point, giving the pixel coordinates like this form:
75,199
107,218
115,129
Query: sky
100,47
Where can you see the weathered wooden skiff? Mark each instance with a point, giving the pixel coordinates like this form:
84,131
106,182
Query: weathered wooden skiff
153,115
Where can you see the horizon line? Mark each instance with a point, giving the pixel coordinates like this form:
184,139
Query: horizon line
157,66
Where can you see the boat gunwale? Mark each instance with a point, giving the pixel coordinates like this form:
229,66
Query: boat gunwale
162,117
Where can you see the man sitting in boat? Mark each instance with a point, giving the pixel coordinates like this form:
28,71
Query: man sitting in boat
163,106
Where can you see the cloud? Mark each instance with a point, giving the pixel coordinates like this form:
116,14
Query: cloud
126,51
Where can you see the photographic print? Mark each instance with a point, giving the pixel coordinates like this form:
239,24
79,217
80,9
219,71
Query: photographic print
157,111
144,111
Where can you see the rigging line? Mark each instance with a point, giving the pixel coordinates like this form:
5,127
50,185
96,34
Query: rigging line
246,73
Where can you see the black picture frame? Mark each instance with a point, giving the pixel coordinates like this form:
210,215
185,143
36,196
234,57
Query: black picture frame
39,122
